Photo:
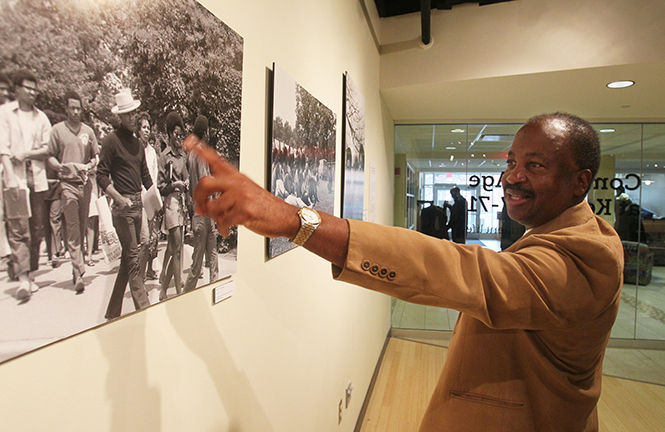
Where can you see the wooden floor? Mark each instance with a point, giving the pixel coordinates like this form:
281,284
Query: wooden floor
410,370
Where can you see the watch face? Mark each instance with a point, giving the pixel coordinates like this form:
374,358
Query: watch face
309,215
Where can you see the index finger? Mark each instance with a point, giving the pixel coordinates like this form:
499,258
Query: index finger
217,163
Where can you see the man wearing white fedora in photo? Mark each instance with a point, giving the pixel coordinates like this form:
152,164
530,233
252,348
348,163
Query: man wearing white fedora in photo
121,172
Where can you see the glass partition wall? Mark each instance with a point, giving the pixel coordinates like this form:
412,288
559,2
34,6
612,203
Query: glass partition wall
629,192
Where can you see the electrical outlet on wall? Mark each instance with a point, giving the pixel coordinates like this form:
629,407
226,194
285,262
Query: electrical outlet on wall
344,402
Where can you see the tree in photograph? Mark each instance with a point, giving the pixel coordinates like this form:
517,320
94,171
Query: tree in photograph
283,131
79,52
174,55
355,127
184,59
315,124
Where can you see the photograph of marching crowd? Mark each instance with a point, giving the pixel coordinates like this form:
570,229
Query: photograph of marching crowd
353,175
96,218
302,169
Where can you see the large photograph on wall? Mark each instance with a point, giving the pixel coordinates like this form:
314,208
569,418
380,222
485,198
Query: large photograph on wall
97,220
353,174
302,170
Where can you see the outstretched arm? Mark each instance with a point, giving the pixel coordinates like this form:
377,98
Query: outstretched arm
243,202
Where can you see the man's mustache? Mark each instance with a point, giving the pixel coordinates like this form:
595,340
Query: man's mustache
516,188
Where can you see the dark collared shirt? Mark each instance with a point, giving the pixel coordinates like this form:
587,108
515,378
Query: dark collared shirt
122,160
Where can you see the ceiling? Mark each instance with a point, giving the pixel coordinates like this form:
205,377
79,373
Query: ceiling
518,97
489,103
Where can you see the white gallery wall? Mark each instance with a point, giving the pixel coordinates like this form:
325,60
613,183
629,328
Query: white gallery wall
278,355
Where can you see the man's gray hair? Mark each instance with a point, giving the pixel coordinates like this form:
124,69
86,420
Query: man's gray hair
582,137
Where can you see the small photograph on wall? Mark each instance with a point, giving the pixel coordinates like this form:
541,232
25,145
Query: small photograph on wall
302,170
96,99
353,174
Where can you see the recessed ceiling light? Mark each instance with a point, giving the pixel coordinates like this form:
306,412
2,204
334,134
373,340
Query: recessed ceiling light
451,148
458,130
620,84
610,130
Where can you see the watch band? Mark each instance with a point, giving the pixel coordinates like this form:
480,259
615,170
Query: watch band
306,228
303,235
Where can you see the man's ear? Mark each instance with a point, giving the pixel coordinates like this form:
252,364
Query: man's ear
582,181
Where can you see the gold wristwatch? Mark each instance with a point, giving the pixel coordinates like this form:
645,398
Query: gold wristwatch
309,221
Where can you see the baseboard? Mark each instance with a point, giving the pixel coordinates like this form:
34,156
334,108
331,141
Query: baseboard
430,337
370,389
637,344
442,338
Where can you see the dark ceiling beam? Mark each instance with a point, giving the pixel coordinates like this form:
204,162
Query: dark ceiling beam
425,15
388,8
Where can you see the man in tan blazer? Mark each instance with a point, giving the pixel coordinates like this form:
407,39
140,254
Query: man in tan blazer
527,350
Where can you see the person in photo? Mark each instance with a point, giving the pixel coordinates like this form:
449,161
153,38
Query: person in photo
5,249
5,86
173,185
92,229
55,248
24,136
73,153
204,229
150,227
121,172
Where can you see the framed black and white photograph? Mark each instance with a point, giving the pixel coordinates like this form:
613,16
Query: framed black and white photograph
302,151
353,143
96,98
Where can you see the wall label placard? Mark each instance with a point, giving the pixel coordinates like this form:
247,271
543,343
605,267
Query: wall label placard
223,292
